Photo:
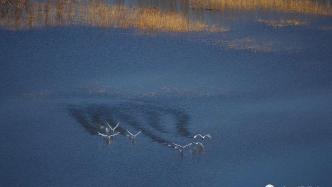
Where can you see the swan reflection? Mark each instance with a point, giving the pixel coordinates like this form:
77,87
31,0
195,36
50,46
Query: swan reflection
198,148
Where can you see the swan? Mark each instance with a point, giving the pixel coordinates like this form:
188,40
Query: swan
181,148
206,136
176,146
132,136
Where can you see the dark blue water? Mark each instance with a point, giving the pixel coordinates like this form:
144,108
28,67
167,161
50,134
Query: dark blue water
268,111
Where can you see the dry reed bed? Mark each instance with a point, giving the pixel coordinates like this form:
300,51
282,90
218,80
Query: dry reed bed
289,6
23,15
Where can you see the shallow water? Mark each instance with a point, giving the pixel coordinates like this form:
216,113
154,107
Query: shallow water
258,81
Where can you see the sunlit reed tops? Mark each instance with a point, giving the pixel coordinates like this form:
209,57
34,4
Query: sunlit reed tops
22,14
289,6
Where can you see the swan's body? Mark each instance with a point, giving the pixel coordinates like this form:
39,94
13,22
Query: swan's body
206,136
107,130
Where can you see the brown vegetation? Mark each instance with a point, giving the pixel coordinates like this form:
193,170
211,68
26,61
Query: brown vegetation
290,6
21,14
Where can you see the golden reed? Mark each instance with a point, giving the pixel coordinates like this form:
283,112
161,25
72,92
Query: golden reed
288,6
23,14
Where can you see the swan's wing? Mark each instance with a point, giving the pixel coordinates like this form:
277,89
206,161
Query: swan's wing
198,135
108,124
115,134
116,126
138,133
209,136
101,134
130,133
187,145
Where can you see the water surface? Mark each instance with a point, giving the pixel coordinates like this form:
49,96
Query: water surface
256,75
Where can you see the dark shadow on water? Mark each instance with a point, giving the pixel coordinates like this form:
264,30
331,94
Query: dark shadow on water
138,116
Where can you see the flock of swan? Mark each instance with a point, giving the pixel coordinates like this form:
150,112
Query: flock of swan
193,147
110,132
196,146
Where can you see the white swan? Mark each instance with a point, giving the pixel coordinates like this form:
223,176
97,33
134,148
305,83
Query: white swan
203,136
176,146
181,148
131,135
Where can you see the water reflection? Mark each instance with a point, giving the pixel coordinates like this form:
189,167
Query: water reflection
138,117
277,23
326,28
255,44
198,148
